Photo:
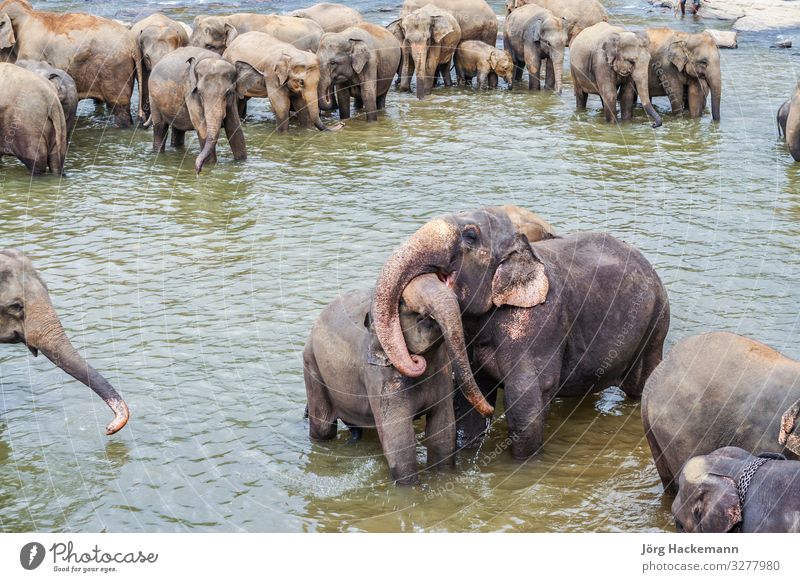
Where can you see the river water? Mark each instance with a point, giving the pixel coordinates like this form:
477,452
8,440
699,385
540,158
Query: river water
194,296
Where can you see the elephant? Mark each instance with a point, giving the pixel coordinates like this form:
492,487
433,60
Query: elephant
475,17
32,125
331,17
789,123
476,58
533,226
156,36
215,33
533,34
579,14
79,44
430,37
289,77
27,316
685,67
716,390
194,88
359,62
348,376
64,85
610,61
731,490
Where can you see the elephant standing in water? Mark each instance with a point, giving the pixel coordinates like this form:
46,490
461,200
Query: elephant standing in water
532,34
80,44
476,18
193,88
349,377
215,33
156,37
358,63
609,61
331,17
685,68
27,316
578,14
32,125
717,390
789,123
64,86
731,490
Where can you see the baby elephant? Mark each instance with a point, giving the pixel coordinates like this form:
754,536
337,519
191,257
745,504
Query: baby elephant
476,58
731,490
349,377
194,88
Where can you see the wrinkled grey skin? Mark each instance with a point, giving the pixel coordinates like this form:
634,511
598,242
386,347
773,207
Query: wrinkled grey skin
783,116
707,500
603,323
475,17
358,63
215,33
579,14
349,377
488,63
789,123
532,34
156,37
612,62
192,88
64,85
32,126
715,390
27,316
331,17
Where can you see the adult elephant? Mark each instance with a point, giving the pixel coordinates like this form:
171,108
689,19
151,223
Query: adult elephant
215,33
579,14
430,37
358,63
80,44
331,17
475,17
608,61
731,490
717,390
565,316
27,316
64,86
32,125
532,34
156,37
685,67
289,77
789,123
193,88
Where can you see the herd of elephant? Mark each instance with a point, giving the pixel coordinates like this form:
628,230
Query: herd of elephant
328,58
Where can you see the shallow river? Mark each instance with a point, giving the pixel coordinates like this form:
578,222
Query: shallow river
195,295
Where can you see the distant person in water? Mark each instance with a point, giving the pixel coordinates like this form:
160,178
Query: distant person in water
695,7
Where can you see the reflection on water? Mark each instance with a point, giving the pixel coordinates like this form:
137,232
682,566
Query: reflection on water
194,297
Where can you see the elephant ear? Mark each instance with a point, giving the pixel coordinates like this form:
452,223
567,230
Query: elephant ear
441,27
493,58
192,62
717,509
375,354
360,54
7,37
678,54
230,33
611,48
281,68
246,77
537,30
520,280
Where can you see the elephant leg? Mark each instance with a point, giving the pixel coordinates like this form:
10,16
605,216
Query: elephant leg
321,417
627,98
380,101
470,425
369,96
444,71
178,138
493,80
299,107
159,134
343,100
519,67
697,99
483,77
396,430
550,75
526,398
241,106
407,68
649,354
122,115
440,433
281,104
581,98
233,131
675,93
667,478
533,62
608,95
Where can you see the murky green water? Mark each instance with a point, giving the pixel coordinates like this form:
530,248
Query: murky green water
195,295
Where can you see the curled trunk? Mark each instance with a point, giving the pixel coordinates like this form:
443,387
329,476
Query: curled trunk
325,90
429,296
310,97
213,124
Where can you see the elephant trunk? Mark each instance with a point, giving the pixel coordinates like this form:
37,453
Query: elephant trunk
213,123
640,80
558,71
325,90
793,128
43,331
310,96
426,251
714,82
427,295
419,52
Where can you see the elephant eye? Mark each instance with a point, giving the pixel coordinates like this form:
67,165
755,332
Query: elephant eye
470,234
679,526
15,308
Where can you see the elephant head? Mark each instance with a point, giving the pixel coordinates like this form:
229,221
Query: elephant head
512,5
697,55
342,57
210,92
27,316
478,255
628,56
503,65
212,32
552,35
7,37
707,499
300,74
422,29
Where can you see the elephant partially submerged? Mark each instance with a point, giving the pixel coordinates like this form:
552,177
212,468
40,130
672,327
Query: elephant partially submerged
717,390
685,67
476,18
610,61
578,14
27,316
216,33
732,490
331,17
64,86
789,123
349,377
80,44
532,34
